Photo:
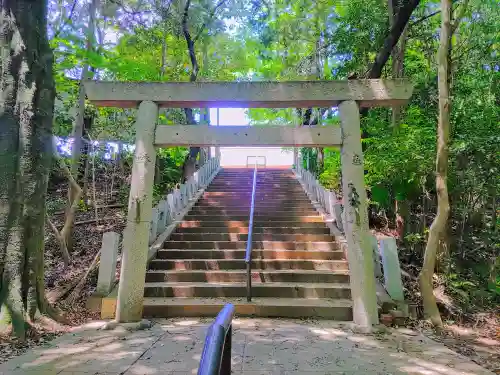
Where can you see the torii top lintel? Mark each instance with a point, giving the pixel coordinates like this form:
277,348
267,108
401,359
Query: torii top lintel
296,94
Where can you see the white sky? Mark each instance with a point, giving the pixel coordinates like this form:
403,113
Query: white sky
237,156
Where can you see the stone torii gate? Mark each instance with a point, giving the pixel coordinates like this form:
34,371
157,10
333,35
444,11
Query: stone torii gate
348,96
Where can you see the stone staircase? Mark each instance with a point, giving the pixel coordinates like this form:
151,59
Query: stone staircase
298,269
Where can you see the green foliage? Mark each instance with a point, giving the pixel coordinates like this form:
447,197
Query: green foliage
330,177
170,161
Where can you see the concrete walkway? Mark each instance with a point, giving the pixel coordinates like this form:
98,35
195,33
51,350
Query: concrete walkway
260,346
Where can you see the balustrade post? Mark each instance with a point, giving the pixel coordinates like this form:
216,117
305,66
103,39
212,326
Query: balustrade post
153,227
171,208
184,200
392,270
196,177
331,201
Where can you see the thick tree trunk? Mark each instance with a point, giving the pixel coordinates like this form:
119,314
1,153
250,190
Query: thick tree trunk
400,22
438,226
26,112
392,38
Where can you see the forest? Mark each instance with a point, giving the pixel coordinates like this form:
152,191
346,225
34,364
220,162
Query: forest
431,166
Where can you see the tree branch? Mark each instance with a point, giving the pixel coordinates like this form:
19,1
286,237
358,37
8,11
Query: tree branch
210,17
420,20
392,39
461,15
70,16
424,18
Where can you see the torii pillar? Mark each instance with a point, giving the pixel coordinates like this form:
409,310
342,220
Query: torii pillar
136,235
355,218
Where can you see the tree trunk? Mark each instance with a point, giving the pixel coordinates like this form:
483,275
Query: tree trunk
79,124
392,38
26,114
398,53
80,109
438,226
189,165
84,158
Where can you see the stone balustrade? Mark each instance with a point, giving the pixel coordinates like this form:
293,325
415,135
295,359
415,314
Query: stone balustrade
167,209
327,199
165,213
385,255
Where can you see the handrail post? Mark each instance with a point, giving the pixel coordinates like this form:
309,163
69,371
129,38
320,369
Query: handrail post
225,366
248,255
216,356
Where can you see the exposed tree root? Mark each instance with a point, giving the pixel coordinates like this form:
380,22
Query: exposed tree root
62,241
61,291
78,288
64,234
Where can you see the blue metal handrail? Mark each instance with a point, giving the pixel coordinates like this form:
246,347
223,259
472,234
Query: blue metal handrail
216,355
248,255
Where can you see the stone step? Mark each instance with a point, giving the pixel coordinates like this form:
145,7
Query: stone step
260,170
257,218
245,201
273,195
272,183
261,189
235,237
287,276
228,189
241,245
249,176
281,290
243,230
337,309
283,205
244,224
260,173
257,264
260,179
256,254
268,185
240,202
237,211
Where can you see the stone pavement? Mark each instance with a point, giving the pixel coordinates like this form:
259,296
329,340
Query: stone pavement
260,346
